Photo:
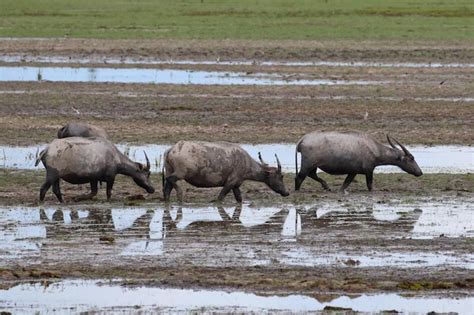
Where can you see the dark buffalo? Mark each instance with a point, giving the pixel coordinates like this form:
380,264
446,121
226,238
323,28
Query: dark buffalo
351,153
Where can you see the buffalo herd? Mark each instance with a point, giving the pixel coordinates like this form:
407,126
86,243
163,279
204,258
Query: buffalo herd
83,154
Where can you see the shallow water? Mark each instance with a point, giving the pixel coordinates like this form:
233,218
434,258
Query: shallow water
160,76
311,235
72,296
436,159
154,61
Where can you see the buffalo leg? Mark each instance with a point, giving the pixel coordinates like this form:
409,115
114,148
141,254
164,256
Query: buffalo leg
94,189
315,176
110,185
57,191
347,182
369,178
44,189
300,177
307,167
92,194
179,192
237,194
224,192
167,188
172,180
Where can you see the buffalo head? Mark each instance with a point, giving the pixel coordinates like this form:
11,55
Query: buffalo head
405,159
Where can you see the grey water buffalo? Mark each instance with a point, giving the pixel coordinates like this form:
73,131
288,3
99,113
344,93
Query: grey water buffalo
351,153
89,160
216,164
81,130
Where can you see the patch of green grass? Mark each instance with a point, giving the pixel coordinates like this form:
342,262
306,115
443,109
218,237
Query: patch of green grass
243,19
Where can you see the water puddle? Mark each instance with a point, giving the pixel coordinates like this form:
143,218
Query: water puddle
153,61
161,76
73,296
310,235
436,159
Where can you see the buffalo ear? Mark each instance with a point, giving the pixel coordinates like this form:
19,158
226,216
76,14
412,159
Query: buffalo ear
140,166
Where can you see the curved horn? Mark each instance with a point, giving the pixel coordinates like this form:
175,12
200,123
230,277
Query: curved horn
147,161
260,158
402,146
278,163
390,142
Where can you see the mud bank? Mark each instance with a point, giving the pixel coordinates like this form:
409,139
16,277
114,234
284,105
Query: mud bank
294,50
52,59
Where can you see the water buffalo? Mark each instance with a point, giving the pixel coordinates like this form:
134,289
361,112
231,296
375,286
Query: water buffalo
89,160
81,130
216,164
350,153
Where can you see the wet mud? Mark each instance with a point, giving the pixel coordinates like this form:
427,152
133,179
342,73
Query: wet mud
332,246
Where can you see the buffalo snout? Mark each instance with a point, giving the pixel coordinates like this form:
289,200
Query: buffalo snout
150,190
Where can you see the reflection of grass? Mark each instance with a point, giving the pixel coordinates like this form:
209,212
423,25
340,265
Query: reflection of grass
245,19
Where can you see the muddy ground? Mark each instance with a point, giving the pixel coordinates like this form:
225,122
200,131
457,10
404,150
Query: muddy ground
21,187
229,251
420,106
216,254
423,106
415,51
33,112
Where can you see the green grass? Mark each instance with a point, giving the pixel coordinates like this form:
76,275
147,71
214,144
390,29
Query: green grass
240,19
